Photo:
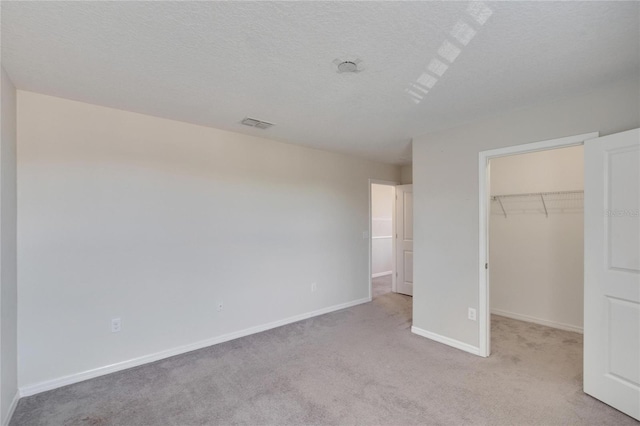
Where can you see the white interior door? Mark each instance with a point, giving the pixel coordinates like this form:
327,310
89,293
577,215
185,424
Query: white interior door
404,239
612,270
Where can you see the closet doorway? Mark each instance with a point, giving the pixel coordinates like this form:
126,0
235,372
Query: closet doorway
488,203
536,238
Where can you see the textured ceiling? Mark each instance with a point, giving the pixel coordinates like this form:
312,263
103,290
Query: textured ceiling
425,65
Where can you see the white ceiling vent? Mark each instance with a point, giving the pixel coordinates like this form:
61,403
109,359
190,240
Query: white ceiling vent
252,122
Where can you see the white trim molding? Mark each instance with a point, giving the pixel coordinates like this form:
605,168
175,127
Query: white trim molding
446,340
381,274
484,190
12,409
535,320
145,359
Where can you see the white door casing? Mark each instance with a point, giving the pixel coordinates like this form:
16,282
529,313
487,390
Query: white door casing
612,271
404,239
484,319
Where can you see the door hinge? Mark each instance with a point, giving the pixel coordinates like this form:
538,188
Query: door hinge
486,266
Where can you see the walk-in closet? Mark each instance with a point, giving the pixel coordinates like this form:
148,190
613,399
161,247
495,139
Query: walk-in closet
536,237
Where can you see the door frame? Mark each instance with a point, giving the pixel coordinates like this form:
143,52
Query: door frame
484,214
393,243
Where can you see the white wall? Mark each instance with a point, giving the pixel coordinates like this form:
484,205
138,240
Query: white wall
544,171
8,267
445,174
406,174
536,261
156,221
382,205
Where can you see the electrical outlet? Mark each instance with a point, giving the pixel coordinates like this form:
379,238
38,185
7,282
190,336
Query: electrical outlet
220,306
116,325
314,287
472,314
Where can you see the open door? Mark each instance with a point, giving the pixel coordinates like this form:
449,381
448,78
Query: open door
404,239
612,270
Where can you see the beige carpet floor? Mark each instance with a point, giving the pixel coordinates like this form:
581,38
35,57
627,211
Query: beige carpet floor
359,366
381,285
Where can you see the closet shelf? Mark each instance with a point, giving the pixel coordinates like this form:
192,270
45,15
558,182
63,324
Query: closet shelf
538,202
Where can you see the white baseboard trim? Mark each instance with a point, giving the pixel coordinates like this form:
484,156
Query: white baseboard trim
446,340
527,318
12,408
381,274
107,369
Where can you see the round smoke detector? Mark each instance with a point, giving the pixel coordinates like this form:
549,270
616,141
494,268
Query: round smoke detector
347,66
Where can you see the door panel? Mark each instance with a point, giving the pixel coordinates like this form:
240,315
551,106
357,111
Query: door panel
404,239
408,266
624,252
408,214
612,271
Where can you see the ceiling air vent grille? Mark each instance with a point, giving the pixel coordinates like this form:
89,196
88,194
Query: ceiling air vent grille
252,122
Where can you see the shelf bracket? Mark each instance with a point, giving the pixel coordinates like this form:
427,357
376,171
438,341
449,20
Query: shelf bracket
501,206
546,212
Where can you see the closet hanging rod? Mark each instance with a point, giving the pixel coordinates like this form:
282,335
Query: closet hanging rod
547,200
537,194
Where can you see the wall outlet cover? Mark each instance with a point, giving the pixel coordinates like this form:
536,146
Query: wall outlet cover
472,314
116,325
